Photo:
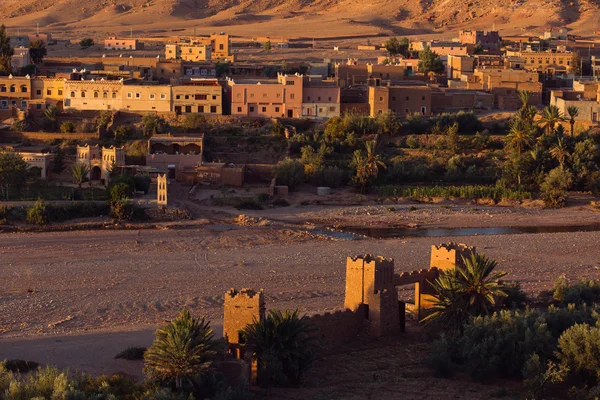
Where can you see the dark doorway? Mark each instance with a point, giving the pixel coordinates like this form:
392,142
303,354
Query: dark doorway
95,173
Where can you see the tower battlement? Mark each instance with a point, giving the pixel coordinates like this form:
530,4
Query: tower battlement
241,308
449,255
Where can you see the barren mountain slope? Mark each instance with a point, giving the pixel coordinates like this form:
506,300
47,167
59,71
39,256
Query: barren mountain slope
301,17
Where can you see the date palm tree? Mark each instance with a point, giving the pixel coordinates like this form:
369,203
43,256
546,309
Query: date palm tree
286,345
524,96
527,114
52,114
181,350
79,171
465,291
560,152
573,112
520,136
367,164
551,116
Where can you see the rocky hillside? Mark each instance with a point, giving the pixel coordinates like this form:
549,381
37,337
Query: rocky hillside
297,17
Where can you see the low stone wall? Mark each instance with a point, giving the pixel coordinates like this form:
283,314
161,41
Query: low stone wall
167,214
48,136
340,326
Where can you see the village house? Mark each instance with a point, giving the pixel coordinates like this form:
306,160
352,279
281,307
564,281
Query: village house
21,58
203,96
38,160
15,91
178,155
589,109
550,62
489,40
320,99
188,51
402,100
100,160
116,43
281,98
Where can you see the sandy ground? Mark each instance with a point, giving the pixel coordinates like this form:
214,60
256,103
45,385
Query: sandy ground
75,299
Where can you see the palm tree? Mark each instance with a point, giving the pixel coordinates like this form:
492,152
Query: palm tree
52,114
79,171
466,291
367,164
573,112
524,96
286,345
551,116
527,114
519,136
181,350
560,152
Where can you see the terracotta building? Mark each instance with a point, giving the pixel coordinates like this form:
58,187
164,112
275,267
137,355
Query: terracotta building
546,61
489,40
15,91
401,100
188,51
175,154
100,160
281,98
320,99
203,96
116,43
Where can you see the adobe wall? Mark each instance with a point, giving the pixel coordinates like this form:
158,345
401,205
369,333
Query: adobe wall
384,317
241,309
339,326
49,136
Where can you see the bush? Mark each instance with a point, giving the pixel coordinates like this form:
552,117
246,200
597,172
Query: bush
515,297
67,127
38,214
120,191
289,172
20,366
583,291
332,177
554,188
248,204
152,124
132,353
579,351
121,210
194,122
142,183
87,42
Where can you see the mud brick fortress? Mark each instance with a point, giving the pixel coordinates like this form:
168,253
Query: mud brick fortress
371,305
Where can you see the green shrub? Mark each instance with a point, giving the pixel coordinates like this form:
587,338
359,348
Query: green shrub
280,203
440,358
120,191
289,172
20,366
67,127
142,183
132,353
554,188
515,297
332,177
495,193
579,351
248,204
38,214
121,210
583,291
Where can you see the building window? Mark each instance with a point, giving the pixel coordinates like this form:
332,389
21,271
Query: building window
48,92
152,96
72,94
330,99
114,95
4,103
251,108
407,98
278,95
221,46
96,95
178,97
105,95
3,89
423,110
251,94
308,98
423,98
320,110
213,109
380,98
138,95
264,95
200,109
214,97
163,96
292,96
239,109
23,89
60,92
82,94
319,98
238,95
332,109
38,92
276,109
13,89
291,83
406,110
264,109
201,97
129,95
187,96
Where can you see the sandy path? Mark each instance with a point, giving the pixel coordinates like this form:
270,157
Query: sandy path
67,282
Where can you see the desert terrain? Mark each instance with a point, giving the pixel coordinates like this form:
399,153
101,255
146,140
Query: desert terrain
297,18
76,298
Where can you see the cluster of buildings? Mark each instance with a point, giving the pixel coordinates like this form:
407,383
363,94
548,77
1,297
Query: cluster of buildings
201,75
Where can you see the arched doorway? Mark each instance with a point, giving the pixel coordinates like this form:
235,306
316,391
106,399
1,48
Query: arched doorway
95,173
